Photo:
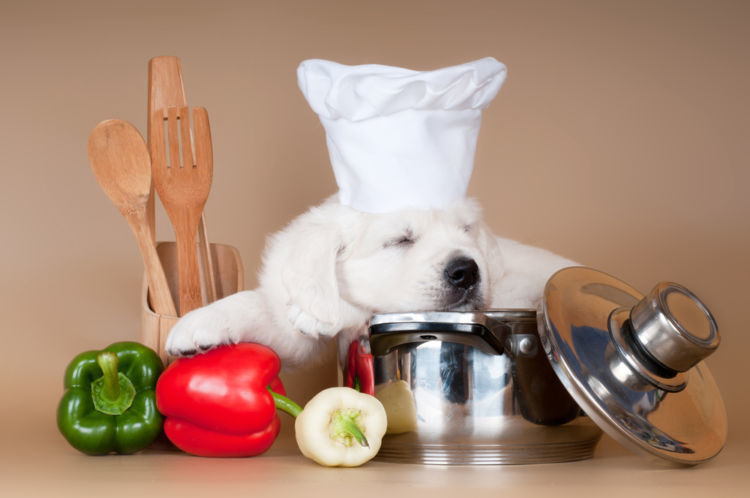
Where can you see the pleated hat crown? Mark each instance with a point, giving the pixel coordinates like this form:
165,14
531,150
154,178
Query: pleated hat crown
399,138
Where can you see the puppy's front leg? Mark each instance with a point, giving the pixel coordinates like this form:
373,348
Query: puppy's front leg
527,269
226,321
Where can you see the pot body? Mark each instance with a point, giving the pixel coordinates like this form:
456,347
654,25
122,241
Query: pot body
473,388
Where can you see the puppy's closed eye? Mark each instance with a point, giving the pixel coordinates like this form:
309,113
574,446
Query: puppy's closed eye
406,239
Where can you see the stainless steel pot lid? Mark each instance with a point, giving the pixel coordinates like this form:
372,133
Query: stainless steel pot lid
633,362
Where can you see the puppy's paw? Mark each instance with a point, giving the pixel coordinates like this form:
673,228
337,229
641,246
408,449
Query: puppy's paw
308,325
199,331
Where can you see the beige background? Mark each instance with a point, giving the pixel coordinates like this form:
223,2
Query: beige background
620,140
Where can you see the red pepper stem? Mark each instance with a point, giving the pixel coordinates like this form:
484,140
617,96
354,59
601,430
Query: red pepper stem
285,404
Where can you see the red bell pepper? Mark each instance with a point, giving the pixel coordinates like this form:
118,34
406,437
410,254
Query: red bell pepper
359,373
219,404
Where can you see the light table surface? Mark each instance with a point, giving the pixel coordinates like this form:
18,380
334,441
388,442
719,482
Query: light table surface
36,461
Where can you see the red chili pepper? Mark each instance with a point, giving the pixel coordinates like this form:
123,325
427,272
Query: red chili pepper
359,369
218,404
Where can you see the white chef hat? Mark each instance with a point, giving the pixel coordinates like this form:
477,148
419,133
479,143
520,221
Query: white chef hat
399,138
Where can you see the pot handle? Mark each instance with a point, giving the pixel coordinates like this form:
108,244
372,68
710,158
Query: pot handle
386,337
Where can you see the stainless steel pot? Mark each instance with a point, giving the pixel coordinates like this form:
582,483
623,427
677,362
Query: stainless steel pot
473,388
512,386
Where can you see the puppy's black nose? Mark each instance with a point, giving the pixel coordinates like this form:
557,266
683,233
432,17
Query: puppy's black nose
462,272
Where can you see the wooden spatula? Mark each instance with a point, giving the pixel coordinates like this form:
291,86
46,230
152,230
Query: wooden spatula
166,89
183,181
121,164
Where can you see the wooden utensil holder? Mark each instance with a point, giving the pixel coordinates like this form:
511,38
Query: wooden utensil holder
229,274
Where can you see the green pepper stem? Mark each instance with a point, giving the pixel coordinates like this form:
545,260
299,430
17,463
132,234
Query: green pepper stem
107,361
285,404
113,392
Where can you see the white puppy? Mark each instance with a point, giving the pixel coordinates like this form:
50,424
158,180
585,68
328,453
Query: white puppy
333,267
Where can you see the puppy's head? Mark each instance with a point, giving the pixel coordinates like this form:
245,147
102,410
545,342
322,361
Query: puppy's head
339,266
420,260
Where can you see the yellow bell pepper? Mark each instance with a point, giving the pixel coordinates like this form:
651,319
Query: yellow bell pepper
341,427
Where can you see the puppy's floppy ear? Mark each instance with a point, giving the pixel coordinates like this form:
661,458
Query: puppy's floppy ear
312,244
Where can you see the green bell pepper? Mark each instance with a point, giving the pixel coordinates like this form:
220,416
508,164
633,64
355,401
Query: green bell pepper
109,403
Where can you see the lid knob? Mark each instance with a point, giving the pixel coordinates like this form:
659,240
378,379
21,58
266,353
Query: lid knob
674,327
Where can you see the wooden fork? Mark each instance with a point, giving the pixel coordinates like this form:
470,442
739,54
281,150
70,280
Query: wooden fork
166,89
183,187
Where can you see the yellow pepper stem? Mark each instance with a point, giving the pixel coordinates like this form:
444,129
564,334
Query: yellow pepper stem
344,427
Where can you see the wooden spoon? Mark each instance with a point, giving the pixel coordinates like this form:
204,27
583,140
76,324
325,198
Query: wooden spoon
122,166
